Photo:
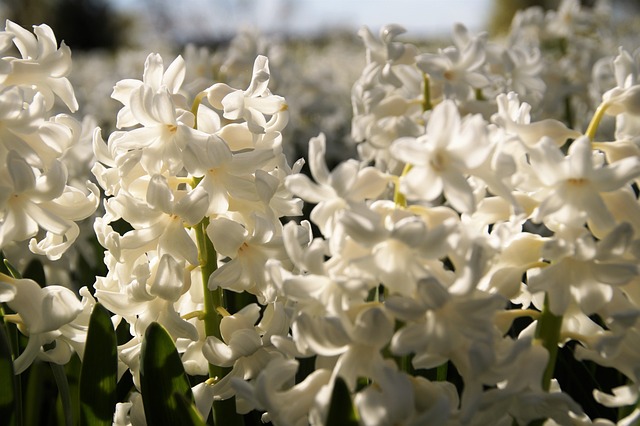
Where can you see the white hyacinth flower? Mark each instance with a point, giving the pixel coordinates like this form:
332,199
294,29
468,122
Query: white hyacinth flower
252,104
43,66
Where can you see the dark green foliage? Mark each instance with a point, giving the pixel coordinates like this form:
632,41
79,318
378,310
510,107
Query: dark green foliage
163,381
98,379
341,410
7,379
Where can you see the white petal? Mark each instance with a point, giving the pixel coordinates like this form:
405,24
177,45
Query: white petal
176,241
227,276
411,151
325,336
443,123
21,173
245,318
266,185
580,158
217,352
245,342
168,282
163,109
159,195
373,327
216,93
459,192
174,75
614,273
153,70
193,206
47,220
317,164
7,292
616,175
260,77
142,106
622,396
227,236
421,183
60,306
309,191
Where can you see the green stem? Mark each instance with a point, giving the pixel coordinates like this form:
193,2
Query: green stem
224,411
398,197
426,99
568,112
212,299
595,121
405,364
441,372
194,107
548,334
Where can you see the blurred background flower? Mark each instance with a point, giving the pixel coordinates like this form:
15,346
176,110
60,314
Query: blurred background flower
86,24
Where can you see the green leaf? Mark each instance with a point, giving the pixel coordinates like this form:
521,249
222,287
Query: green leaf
63,391
72,370
162,376
12,270
98,376
187,411
3,266
39,394
8,403
341,410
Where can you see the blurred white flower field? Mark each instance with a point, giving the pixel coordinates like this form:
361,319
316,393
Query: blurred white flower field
369,229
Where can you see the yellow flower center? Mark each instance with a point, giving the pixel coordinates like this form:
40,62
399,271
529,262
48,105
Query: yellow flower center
577,181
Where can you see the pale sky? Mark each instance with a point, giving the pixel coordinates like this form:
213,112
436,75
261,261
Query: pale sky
419,17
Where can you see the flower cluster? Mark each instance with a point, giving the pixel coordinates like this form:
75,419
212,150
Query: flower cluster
38,203
182,176
477,232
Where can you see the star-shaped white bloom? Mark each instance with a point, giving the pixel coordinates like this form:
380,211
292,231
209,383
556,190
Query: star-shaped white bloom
159,221
459,67
42,312
251,105
443,157
399,247
155,77
43,65
273,391
37,199
333,191
583,271
574,183
385,54
248,250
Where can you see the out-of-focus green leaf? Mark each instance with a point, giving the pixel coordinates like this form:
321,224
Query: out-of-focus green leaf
341,411
188,411
12,270
63,391
8,403
3,265
72,371
162,378
98,376
39,394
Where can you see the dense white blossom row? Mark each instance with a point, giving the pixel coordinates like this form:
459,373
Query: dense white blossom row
481,194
